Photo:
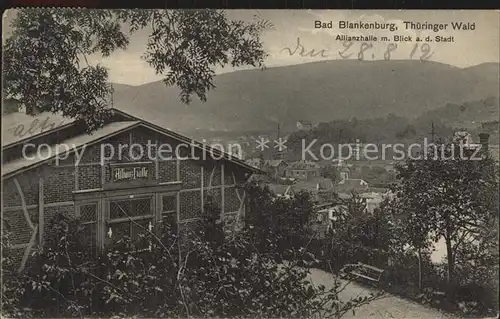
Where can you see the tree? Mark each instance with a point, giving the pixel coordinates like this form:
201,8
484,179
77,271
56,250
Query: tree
448,194
43,57
356,235
411,228
278,223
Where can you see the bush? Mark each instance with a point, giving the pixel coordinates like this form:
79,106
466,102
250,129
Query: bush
165,277
13,283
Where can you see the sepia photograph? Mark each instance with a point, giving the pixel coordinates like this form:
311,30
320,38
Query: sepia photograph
223,163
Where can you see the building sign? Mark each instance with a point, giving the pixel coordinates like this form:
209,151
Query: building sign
135,172
127,173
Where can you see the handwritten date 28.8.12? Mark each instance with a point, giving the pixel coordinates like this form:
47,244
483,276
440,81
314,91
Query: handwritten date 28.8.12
421,51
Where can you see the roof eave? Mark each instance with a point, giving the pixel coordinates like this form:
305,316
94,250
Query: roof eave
199,145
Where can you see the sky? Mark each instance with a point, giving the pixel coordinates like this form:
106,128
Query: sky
469,47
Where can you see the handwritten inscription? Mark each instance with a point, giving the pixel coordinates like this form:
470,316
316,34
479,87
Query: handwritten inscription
363,52
36,126
301,51
423,50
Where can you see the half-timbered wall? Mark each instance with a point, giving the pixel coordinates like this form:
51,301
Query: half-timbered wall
44,191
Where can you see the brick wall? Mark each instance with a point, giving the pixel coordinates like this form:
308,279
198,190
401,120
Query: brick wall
60,181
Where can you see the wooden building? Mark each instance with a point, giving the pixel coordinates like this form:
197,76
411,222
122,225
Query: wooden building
303,170
110,187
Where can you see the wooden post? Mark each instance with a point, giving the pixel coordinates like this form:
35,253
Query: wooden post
158,216
158,208
178,201
222,201
419,255
178,169
23,205
157,163
41,216
201,187
240,212
103,174
34,228
101,223
76,176
28,250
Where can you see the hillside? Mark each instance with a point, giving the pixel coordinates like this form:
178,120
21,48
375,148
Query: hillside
468,115
252,100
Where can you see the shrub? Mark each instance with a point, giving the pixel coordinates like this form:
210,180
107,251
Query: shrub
13,283
164,277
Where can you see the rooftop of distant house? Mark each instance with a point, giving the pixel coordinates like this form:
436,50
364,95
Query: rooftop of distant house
314,184
304,122
274,163
271,163
303,165
280,189
350,185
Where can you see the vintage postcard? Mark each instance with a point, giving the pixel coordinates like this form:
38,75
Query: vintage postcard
250,163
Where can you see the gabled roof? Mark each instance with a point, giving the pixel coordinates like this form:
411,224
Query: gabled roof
255,162
352,184
315,184
197,144
274,163
77,142
280,189
303,165
18,127
106,131
304,122
256,177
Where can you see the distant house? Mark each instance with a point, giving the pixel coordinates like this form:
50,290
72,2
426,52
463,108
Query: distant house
356,151
303,170
356,184
275,168
465,138
490,126
390,167
372,200
255,162
326,217
470,146
321,189
348,185
338,162
280,190
304,125
236,151
259,179
370,196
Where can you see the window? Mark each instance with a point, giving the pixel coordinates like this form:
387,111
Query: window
130,217
87,212
169,210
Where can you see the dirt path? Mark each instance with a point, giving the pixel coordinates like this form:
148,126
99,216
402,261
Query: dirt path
388,306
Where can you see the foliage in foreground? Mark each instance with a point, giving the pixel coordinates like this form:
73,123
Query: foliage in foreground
451,196
46,65
158,277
